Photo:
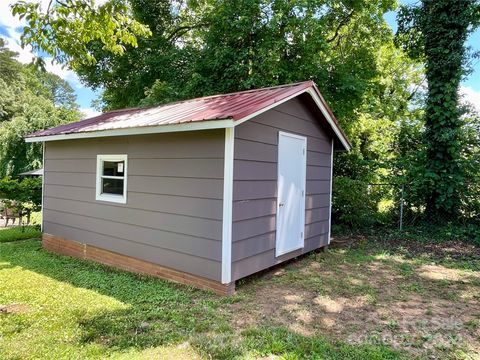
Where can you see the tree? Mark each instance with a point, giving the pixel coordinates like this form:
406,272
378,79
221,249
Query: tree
203,47
157,59
221,46
56,89
436,31
64,28
30,100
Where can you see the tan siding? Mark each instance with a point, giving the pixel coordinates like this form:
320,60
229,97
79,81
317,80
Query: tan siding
206,228
149,236
249,209
174,203
195,264
144,146
262,260
64,246
255,186
251,189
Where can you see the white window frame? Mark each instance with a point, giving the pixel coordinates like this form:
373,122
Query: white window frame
122,199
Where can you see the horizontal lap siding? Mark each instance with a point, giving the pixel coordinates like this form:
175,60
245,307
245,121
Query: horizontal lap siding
255,186
173,215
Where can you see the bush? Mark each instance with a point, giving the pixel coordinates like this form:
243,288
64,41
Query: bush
27,191
356,203
21,197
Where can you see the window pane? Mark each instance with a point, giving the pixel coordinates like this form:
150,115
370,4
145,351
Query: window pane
113,168
112,186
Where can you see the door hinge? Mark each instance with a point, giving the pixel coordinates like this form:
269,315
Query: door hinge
301,235
303,151
303,192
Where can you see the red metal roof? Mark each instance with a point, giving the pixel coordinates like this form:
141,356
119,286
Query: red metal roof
234,106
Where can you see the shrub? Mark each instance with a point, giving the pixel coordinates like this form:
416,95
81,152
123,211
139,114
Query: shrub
27,191
21,197
356,203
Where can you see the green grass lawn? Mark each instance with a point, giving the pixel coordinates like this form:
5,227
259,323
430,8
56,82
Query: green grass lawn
56,307
19,233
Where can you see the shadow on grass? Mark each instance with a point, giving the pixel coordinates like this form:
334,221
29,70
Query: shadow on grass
159,313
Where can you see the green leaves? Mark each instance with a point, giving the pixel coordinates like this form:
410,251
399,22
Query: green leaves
436,31
65,28
30,100
27,191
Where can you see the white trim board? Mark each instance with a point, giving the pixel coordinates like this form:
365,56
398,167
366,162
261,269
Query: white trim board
330,120
192,126
99,196
200,125
318,102
227,206
331,197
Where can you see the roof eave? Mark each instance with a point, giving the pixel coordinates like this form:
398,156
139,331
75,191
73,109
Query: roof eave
307,87
327,112
319,101
190,126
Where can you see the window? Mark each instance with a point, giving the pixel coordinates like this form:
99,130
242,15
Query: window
112,178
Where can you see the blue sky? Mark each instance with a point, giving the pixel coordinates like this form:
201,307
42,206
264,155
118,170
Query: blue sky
10,28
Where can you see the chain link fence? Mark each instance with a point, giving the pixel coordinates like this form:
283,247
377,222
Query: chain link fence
358,204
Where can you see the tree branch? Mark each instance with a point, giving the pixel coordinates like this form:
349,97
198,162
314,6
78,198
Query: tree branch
342,23
184,29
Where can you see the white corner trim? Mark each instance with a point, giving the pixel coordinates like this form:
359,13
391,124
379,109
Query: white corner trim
43,184
191,126
331,196
121,199
227,206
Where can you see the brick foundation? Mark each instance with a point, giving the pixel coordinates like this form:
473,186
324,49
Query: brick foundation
84,251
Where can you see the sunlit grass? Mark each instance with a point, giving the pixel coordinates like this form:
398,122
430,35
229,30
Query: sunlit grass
19,233
57,307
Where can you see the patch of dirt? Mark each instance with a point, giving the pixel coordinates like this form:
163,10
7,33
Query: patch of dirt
455,250
451,249
435,272
14,309
422,313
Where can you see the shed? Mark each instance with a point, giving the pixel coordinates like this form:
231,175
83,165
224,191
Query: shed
204,191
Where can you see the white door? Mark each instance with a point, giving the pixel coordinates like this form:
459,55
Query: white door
292,166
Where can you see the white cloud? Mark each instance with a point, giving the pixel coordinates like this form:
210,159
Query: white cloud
471,96
25,55
89,112
63,72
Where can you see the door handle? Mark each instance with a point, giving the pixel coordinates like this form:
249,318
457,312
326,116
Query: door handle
281,204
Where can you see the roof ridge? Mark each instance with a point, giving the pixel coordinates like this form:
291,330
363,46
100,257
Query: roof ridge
254,90
232,93
203,97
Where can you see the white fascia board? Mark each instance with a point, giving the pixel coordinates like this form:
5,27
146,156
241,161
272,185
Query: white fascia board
227,206
329,118
320,105
192,126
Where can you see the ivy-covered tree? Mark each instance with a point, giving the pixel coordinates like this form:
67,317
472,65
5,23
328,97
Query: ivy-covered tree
435,31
